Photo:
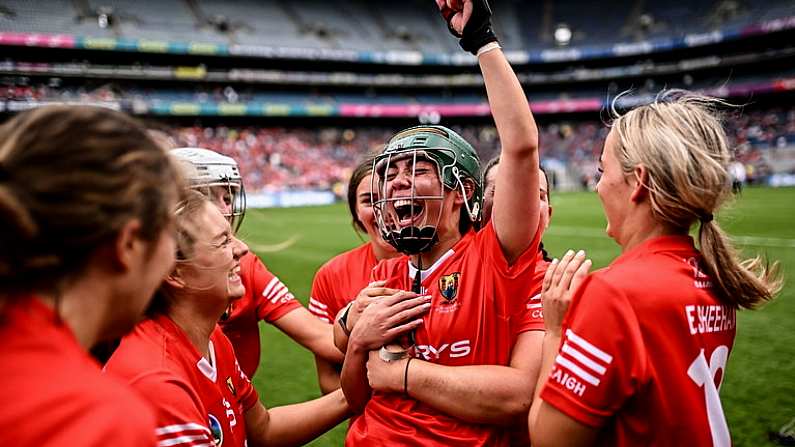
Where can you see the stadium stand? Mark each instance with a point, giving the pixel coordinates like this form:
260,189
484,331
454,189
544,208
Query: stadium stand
377,25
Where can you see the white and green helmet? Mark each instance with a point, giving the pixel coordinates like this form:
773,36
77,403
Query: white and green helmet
455,160
205,170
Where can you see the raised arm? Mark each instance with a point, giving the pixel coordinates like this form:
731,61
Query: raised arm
516,207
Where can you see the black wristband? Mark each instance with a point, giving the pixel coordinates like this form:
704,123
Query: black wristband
406,377
343,321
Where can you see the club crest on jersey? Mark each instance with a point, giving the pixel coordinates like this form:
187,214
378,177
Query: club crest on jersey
216,430
231,386
448,286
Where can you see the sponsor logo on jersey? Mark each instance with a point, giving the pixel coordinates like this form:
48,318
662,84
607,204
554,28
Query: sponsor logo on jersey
216,429
535,306
448,286
461,348
231,386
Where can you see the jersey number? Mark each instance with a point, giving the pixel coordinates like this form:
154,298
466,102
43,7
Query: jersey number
703,374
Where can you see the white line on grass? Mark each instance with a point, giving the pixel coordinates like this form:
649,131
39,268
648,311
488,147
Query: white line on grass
590,232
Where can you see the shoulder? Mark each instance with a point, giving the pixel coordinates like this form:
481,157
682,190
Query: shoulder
342,262
388,268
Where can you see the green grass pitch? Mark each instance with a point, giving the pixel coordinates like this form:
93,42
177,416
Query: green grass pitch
758,393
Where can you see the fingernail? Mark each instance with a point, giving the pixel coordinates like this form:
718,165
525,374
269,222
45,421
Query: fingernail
555,261
426,305
570,252
581,253
428,297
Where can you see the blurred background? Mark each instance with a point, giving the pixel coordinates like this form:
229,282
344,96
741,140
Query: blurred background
298,90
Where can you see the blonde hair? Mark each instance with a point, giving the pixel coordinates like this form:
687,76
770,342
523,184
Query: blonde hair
680,140
70,178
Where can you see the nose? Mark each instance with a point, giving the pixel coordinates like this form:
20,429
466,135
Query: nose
240,248
402,180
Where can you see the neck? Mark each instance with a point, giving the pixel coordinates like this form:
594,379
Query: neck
82,306
647,229
197,325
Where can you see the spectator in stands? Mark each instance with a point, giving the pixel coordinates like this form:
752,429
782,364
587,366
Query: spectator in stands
86,230
180,360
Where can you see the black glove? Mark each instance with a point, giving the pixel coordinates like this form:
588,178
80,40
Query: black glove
477,31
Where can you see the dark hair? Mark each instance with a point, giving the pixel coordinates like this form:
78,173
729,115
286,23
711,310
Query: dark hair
361,171
494,162
70,178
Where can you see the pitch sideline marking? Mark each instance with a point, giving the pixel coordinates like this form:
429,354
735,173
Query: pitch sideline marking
588,232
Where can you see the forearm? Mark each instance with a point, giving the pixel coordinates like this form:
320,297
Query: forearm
311,333
293,425
328,375
487,394
549,350
353,378
509,106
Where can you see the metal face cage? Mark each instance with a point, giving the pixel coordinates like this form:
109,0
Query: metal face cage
407,221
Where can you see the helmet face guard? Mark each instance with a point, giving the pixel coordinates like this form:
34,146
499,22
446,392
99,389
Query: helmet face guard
229,196
409,229
408,220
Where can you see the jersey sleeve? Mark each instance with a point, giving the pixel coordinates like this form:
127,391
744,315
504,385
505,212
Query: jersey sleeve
321,301
523,266
601,361
273,299
180,416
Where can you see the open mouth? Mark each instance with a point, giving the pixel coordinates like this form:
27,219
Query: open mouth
234,274
408,211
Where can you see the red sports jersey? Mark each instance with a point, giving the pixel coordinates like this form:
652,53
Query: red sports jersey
644,350
476,297
266,299
54,392
339,280
197,401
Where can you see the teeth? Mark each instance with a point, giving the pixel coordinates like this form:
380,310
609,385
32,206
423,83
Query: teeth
406,202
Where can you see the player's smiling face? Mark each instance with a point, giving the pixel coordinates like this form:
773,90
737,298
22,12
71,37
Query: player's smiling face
213,269
614,190
415,191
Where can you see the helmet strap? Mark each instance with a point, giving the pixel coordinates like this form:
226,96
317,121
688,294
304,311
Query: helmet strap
474,210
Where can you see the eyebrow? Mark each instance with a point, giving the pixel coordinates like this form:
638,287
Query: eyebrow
222,235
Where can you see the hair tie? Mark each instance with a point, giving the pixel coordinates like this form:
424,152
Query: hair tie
706,218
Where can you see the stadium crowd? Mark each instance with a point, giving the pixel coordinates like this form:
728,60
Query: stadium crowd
275,159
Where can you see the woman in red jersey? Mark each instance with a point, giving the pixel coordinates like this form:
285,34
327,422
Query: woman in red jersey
182,362
641,354
467,376
339,281
86,203
266,298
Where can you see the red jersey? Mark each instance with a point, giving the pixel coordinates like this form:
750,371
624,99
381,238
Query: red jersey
644,350
55,393
477,297
340,280
266,298
197,401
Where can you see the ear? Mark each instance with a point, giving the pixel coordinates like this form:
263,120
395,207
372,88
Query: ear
128,246
469,188
174,279
639,182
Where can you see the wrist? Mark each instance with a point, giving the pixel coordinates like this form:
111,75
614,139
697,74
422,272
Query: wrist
494,45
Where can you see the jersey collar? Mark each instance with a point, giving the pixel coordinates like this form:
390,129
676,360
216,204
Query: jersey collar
656,245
